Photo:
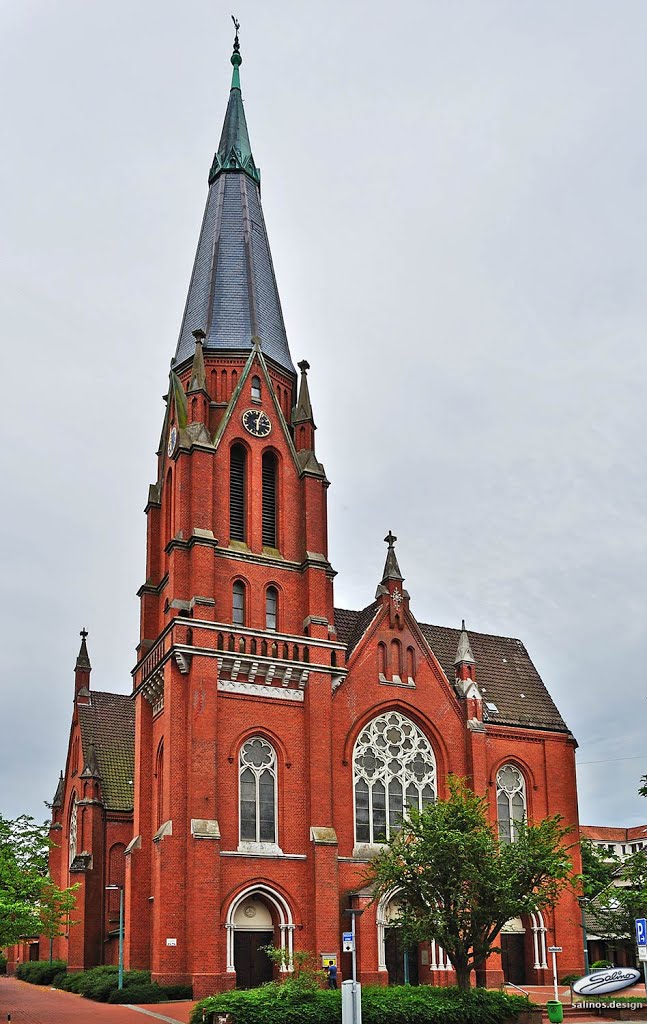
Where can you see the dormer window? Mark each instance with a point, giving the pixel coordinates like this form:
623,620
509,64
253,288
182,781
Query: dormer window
256,389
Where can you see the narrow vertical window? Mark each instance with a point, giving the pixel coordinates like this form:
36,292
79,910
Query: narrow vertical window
237,472
257,792
510,802
269,499
271,607
159,785
256,389
238,603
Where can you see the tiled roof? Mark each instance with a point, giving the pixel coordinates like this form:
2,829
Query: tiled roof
109,723
505,674
610,834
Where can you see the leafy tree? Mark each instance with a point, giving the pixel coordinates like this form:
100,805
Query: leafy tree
54,908
616,907
643,789
30,903
459,884
23,864
598,867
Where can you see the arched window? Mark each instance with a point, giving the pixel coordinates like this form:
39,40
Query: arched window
73,829
237,474
396,658
269,475
381,659
238,604
271,607
393,768
256,389
257,792
159,786
510,801
168,501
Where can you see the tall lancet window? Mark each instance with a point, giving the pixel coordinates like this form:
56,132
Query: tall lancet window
238,603
394,767
269,473
510,801
257,792
237,474
271,607
73,829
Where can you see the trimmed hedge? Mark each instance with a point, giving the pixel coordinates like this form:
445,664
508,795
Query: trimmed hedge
397,1005
40,972
150,993
99,982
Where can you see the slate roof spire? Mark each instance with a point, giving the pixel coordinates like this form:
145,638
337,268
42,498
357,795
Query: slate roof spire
233,295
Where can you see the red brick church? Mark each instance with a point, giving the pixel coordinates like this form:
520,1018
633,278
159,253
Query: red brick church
272,740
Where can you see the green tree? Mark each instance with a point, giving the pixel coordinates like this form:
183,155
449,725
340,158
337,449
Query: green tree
54,908
616,907
23,865
459,884
598,867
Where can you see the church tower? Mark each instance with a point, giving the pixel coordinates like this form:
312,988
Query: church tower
237,654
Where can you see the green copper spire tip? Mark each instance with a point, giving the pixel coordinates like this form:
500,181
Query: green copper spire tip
236,58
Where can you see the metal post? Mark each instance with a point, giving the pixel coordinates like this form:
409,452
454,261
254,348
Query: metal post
406,966
555,976
587,967
352,928
121,937
645,974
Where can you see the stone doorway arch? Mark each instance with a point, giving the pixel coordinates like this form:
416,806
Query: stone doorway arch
258,916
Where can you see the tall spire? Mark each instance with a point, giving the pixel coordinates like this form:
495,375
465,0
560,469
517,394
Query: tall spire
83,658
233,294
234,152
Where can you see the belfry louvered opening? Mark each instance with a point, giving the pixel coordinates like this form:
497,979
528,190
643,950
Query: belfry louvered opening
237,473
269,499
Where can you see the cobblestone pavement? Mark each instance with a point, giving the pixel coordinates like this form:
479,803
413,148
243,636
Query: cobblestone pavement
30,1004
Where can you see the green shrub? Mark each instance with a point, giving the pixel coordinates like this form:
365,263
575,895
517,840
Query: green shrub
3,964
397,1005
178,991
570,979
40,972
139,993
600,963
99,982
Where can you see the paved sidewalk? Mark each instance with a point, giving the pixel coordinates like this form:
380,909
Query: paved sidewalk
31,1004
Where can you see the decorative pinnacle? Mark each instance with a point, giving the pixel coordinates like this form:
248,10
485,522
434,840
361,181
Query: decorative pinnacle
304,365
389,539
236,58
391,567
84,634
199,336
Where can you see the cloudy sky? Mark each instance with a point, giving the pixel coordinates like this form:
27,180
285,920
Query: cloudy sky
456,202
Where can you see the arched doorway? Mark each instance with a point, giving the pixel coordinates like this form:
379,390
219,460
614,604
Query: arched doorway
513,953
394,955
257,917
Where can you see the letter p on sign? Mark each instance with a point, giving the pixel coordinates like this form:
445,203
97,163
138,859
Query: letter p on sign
641,931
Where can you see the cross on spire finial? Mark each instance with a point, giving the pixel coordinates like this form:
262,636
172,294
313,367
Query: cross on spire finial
84,633
390,539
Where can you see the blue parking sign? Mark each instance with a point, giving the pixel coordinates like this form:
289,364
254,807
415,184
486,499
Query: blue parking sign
641,931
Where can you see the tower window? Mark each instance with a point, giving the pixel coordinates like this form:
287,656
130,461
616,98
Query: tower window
238,603
256,389
269,475
271,607
257,792
237,473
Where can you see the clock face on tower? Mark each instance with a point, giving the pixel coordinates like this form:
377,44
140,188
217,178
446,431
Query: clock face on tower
172,440
256,422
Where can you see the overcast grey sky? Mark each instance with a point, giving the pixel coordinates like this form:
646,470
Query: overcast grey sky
456,202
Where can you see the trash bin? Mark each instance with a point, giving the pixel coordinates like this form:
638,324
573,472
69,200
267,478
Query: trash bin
555,1011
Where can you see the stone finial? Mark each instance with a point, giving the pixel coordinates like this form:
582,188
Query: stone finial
391,567
198,374
303,409
464,654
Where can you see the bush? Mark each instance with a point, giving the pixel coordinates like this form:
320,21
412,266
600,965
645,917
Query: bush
40,972
100,982
598,964
397,1005
570,979
3,964
150,993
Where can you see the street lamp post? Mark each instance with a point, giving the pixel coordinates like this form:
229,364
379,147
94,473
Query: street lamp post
121,932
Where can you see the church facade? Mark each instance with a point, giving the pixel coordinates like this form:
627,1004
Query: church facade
272,741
